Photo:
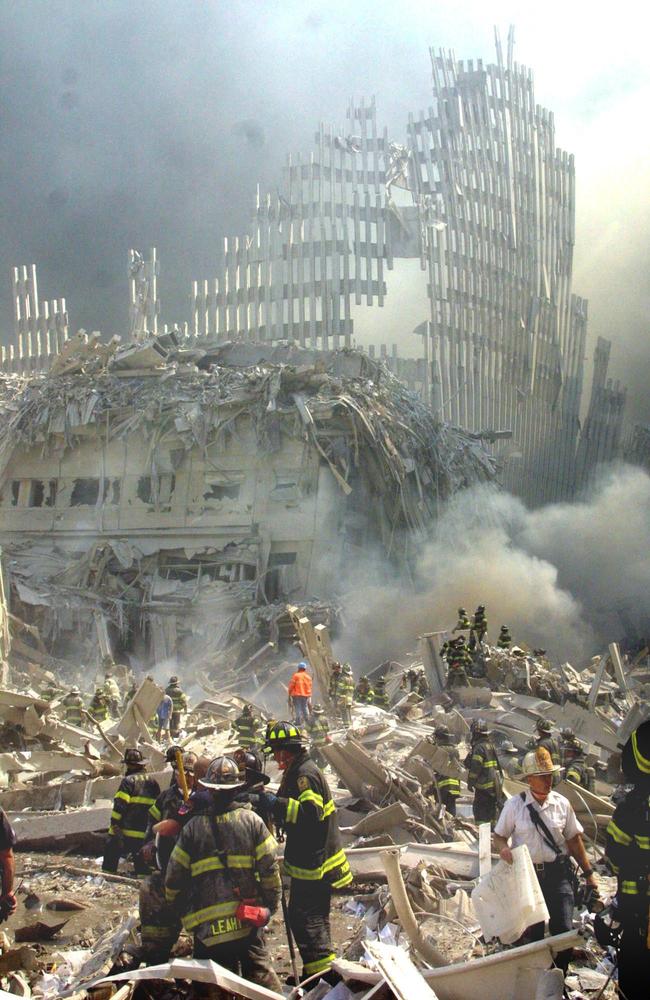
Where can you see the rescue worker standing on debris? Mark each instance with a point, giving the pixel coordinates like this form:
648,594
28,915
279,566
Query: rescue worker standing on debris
484,776
313,856
130,815
479,623
628,851
545,738
522,821
318,730
505,639
180,705
300,692
576,768
110,688
163,718
457,657
463,621
98,707
246,726
448,789
337,690
224,873
364,692
381,699
7,868
73,707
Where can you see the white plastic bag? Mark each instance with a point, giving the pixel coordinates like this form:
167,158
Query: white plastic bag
508,899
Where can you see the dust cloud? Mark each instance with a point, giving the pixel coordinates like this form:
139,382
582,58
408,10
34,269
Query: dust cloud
567,578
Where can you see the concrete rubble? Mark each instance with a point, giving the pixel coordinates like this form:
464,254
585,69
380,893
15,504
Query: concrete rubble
407,925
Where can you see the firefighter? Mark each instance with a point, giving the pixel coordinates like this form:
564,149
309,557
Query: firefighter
73,707
505,639
509,759
98,707
160,921
448,789
318,729
130,815
381,699
576,768
463,621
628,851
422,686
224,874
180,705
484,776
337,692
251,768
567,737
544,738
348,691
313,857
479,623
50,691
364,692
112,691
456,663
246,726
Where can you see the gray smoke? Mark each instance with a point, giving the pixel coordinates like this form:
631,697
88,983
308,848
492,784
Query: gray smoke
568,578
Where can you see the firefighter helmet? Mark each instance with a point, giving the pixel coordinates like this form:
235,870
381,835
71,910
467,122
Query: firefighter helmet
170,753
441,731
134,758
284,735
222,774
318,710
544,726
173,679
635,759
480,727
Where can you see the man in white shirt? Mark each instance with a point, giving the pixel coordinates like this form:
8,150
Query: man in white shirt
550,850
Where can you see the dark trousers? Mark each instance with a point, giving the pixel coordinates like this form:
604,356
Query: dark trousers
634,962
160,923
300,709
449,802
248,958
309,919
555,883
123,847
484,806
175,724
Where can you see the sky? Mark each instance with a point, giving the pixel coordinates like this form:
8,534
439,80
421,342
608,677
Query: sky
150,124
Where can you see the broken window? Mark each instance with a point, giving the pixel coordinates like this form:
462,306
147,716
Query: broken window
112,492
15,490
42,493
286,489
282,559
157,490
222,491
85,493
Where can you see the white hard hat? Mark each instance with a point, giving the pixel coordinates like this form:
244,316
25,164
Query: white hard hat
538,761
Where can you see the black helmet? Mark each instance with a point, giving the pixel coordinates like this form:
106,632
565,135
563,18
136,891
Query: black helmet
251,766
635,759
480,727
544,726
134,758
461,612
481,607
246,710
504,628
170,753
285,736
173,680
441,731
222,774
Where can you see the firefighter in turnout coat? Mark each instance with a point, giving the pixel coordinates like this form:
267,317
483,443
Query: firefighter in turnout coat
224,874
130,815
313,856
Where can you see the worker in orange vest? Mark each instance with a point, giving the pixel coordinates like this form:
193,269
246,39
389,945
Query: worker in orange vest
300,691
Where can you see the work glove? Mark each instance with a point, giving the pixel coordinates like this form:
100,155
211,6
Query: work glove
269,799
7,906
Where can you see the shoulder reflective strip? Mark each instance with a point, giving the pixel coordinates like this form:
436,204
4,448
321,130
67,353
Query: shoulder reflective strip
490,763
197,917
642,762
211,864
319,964
293,807
151,931
143,800
181,856
328,809
478,757
123,795
135,834
630,888
268,846
620,836
642,842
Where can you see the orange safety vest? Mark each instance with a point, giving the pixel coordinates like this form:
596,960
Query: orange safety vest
300,685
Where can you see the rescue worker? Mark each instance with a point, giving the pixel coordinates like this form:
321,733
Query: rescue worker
509,759
381,699
628,851
246,726
522,821
224,873
576,768
505,639
348,692
313,857
409,680
318,729
479,623
567,737
544,738
422,686
163,718
180,705
98,707
160,921
251,768
50,691
300,691
73,707
364,692
448,789
484,776
112,691
457,656
337,691
130,815
7,868
463,621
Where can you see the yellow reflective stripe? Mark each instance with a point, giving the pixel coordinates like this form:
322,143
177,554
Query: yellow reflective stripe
630,888
328,809
137,834
490,763
271,881
123,795
220,936
292,810
478,757
152,931
573,775
620,836
197,917
315,874
319,965
240,860
210,864
155,812
340,883
642,842
142,800
171,894
309,796
267,846
183,858
116,815
642,762
485,784
337,859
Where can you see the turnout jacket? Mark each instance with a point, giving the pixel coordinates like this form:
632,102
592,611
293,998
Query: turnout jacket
484,773
133,800
306,810
628,851
222,859
246,727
